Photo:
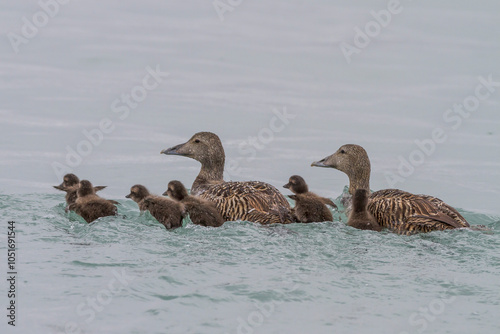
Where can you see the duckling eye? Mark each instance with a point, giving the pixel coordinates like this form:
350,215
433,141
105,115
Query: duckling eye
196,141
342,151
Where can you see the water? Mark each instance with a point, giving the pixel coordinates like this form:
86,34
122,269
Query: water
127,274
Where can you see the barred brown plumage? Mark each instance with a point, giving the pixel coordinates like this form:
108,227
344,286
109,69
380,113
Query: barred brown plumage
251,200
394,209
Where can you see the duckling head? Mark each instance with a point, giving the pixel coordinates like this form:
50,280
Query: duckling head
204,147
85,188
297,184
353,161
176,190
137,193
69,180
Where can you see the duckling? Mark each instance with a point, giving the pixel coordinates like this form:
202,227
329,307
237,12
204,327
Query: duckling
360,218
395,209
90,206
70,186
201,212
309,207
166,211
251,200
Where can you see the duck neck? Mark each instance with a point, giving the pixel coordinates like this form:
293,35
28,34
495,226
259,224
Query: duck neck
359,180
210,173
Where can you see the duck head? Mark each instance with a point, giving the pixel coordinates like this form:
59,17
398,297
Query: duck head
296,184
204,147
353,161
85,188
69,180
176,190
137,193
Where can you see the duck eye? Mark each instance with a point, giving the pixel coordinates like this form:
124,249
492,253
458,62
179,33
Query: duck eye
196,141
342,151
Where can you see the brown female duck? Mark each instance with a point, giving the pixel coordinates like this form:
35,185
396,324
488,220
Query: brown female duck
251,201
201,212
309,207
395,209
166,211
90,206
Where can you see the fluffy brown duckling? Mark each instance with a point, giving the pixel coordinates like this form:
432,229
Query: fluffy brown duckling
90,206
251,200
201,212
395,209
166,211
70,185
360,218
309,207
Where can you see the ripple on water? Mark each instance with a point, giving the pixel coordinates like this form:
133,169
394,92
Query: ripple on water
229,270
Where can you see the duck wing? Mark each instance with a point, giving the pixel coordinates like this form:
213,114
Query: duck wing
407,213
252,201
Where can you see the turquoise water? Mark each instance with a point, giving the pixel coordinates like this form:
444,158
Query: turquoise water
238,78
245,278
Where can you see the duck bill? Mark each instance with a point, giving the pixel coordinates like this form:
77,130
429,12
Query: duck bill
320,163
60,187
175,150
287,186
128,196
165,193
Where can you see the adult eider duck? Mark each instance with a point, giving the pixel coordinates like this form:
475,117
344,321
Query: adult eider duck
359,217
90,206
309,207
70,185
201,212
166,211
251,201
395,209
